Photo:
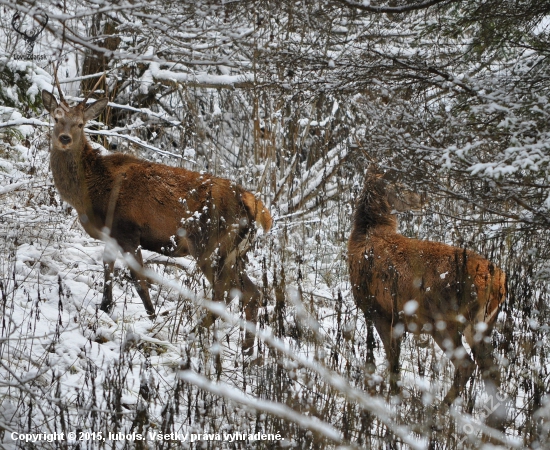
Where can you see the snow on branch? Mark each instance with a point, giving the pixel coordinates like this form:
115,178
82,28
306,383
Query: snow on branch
12,187
202,80
18,122
277,409
139,142
393,9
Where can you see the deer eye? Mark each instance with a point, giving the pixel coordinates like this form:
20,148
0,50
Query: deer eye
80,125
56,120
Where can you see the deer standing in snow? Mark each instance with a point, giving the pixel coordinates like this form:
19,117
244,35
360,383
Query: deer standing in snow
419,286
168,210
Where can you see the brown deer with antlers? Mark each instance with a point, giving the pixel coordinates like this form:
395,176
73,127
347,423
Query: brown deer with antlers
168,210
419,286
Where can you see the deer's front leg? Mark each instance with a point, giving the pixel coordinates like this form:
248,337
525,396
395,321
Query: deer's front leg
140,283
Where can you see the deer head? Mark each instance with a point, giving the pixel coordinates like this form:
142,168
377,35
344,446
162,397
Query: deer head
402,200
68,131
399,197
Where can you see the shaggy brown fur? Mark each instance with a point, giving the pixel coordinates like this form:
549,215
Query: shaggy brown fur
156,207
454,288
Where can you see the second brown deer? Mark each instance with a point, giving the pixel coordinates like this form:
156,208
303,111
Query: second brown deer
143,205
419,286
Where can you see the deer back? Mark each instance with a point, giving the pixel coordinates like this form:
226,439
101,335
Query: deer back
163,203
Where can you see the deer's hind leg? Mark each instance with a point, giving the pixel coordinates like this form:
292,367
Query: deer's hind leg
449,340
482,350
222,264
129,241
250,298
141,285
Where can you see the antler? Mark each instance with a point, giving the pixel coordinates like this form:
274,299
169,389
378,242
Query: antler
43,26
94,88
58,87
15,18
32,37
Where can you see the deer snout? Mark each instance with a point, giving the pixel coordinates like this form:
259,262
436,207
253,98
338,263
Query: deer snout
65,139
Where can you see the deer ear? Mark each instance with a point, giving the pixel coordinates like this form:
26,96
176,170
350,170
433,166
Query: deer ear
50,103
95,109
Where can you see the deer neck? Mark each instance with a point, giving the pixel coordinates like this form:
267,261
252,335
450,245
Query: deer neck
69,177
388,227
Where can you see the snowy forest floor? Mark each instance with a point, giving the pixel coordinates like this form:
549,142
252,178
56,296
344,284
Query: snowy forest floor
66,366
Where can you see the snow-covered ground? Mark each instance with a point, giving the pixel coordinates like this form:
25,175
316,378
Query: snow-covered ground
67,366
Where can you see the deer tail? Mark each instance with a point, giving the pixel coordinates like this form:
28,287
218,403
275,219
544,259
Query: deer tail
257,210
